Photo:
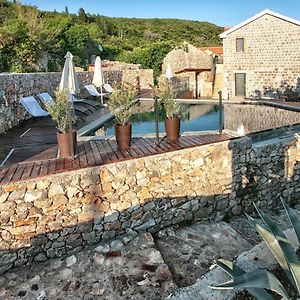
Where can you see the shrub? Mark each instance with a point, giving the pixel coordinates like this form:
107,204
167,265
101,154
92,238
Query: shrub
59,110
167,98
120,103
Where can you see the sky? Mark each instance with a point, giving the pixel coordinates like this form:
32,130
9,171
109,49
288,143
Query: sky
220,12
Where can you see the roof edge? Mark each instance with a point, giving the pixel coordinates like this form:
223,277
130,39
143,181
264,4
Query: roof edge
262,13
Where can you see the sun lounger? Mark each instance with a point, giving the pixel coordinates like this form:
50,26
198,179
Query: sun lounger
46,98
108,88
93,91
33,107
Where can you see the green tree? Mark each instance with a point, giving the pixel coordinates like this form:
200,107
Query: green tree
82,17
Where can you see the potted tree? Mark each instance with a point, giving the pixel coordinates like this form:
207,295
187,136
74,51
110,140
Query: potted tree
120,104
58,110
171,109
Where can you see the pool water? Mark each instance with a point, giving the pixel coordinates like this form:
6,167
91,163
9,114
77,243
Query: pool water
241,118
194,117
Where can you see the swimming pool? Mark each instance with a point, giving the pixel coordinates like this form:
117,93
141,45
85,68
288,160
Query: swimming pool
243,118
194,117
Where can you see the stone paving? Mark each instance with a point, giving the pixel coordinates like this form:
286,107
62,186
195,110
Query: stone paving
109,271
140,267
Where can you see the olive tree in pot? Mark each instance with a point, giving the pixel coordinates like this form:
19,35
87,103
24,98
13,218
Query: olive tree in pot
120,104
58,110
171,109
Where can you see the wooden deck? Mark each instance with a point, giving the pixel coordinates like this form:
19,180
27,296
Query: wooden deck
97,153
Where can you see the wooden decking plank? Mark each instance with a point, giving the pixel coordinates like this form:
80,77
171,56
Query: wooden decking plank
82,156
125,154
3,173
59,165
186,142
113,145
102,151
97,156
19,172
36,170
51,167
28,169
194,140
69,164
44,167
164,146
89,154
154,149
10,174
138,144
139,152
111,153
132,152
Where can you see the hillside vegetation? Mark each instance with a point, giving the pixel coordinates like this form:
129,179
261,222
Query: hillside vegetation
33,40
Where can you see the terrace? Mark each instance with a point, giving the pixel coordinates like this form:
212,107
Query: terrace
53,207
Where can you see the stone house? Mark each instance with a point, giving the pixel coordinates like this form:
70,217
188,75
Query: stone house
193,64
262,57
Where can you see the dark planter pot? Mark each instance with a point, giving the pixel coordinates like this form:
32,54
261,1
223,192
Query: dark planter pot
172,127
123,135
63,140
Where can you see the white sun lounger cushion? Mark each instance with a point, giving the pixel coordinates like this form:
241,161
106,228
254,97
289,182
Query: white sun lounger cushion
45,97
93,91
32,106
108,88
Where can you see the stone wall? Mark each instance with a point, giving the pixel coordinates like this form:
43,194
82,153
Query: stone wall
59,215
271,58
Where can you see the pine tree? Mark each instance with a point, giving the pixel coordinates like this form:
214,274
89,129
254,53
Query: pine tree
83,18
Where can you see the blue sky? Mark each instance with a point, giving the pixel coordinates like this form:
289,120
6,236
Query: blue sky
220,12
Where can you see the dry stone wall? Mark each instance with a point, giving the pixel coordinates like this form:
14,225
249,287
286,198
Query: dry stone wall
62,214
271,59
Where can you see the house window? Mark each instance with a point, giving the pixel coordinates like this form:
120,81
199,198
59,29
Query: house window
240,45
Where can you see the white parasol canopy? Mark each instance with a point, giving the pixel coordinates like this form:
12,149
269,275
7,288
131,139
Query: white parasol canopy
69,83
98,79
169,73
68,79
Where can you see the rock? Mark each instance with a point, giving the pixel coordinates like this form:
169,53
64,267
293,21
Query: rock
71,260
55,190
7,258
3,197
110,218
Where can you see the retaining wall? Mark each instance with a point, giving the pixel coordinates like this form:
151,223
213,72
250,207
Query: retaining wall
58,215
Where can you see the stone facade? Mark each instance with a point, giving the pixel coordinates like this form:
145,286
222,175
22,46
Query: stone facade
53,216
14,86
271,56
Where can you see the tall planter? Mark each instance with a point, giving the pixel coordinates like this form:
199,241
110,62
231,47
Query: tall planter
64,145
123,135
172,126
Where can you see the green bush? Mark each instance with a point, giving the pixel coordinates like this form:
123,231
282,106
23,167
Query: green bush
120,103
59,110
167,98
